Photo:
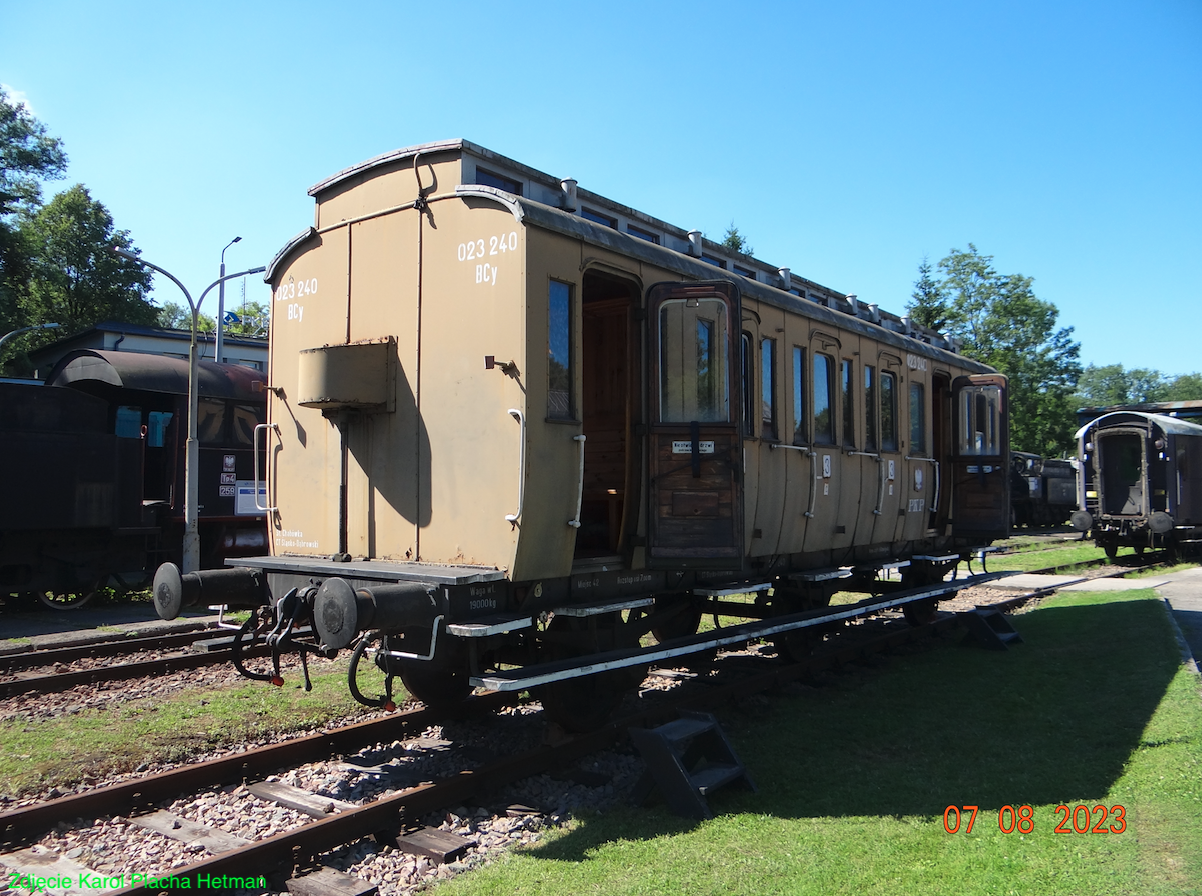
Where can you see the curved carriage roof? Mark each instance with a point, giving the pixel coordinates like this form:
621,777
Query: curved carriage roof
885,328
1169,425
156,373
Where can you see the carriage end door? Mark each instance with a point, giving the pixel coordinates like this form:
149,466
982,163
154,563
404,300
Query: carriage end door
695,444
980,458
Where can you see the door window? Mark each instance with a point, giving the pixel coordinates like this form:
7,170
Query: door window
979,432
693,348
888,411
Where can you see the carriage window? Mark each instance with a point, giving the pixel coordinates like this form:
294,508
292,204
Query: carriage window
888,411
824,424
980,409
799,392
508,184
559,352
246,418
768,388
643,234
869,408
918,418
597,218
156,428
693,348
210,423
129,422
849,406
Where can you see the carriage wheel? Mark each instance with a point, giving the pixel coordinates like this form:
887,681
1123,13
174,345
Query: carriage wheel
1112,551
683,619
586,703
65,600
921,612
438,683
798,644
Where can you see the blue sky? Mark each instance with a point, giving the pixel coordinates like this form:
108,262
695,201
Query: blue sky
847,141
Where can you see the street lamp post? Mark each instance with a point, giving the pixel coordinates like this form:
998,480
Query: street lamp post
191,554
9,335
219,346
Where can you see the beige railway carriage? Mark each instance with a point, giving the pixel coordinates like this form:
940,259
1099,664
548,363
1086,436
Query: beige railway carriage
492,382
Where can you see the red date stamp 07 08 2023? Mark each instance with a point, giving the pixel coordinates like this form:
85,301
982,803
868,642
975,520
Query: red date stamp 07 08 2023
1072,820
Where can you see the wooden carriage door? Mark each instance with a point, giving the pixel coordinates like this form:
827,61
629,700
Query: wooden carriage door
695,444
980,458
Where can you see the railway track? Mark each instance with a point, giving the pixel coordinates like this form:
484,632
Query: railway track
390,818
180,652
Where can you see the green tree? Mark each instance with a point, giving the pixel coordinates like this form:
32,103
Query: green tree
27,156
177,316
254,319
928,305
1003,323
736,242
1187,387
76,280
1110,384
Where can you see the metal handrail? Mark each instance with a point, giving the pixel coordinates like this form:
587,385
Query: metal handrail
255,450
512,518
575,521
812,454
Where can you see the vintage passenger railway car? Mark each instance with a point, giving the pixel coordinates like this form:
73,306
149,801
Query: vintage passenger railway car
95,472
1141,481
499,399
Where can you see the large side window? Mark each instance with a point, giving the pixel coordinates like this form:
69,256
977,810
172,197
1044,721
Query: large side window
869,408
768,388
559,352
799,396
847,388
918,419
824,422
888,411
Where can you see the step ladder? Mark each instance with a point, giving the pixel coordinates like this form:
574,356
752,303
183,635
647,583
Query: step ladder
992,628
687,760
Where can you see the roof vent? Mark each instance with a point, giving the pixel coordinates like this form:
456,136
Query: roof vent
695,243
786,279
568,185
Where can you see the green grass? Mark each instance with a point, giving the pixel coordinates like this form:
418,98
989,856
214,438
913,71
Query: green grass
1026,560
1093,709
37,754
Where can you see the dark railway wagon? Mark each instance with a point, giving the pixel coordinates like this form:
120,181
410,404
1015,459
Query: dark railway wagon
94,465
514,426
1043,490
1141,481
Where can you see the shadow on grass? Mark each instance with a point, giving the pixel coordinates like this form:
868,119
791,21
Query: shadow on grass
1052,720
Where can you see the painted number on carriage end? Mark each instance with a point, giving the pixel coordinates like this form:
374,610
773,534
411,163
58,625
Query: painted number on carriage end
476,250
295,289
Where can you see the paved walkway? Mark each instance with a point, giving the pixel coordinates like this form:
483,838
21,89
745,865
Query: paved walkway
90,625
1181,591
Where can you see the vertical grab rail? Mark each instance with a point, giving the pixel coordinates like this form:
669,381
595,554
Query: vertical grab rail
813,456
255,450
575,521
512,518
880,490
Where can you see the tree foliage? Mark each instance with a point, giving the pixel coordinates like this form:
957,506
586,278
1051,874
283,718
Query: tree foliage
1111,384
928,306
76,280
736,242
27,156
1002,323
